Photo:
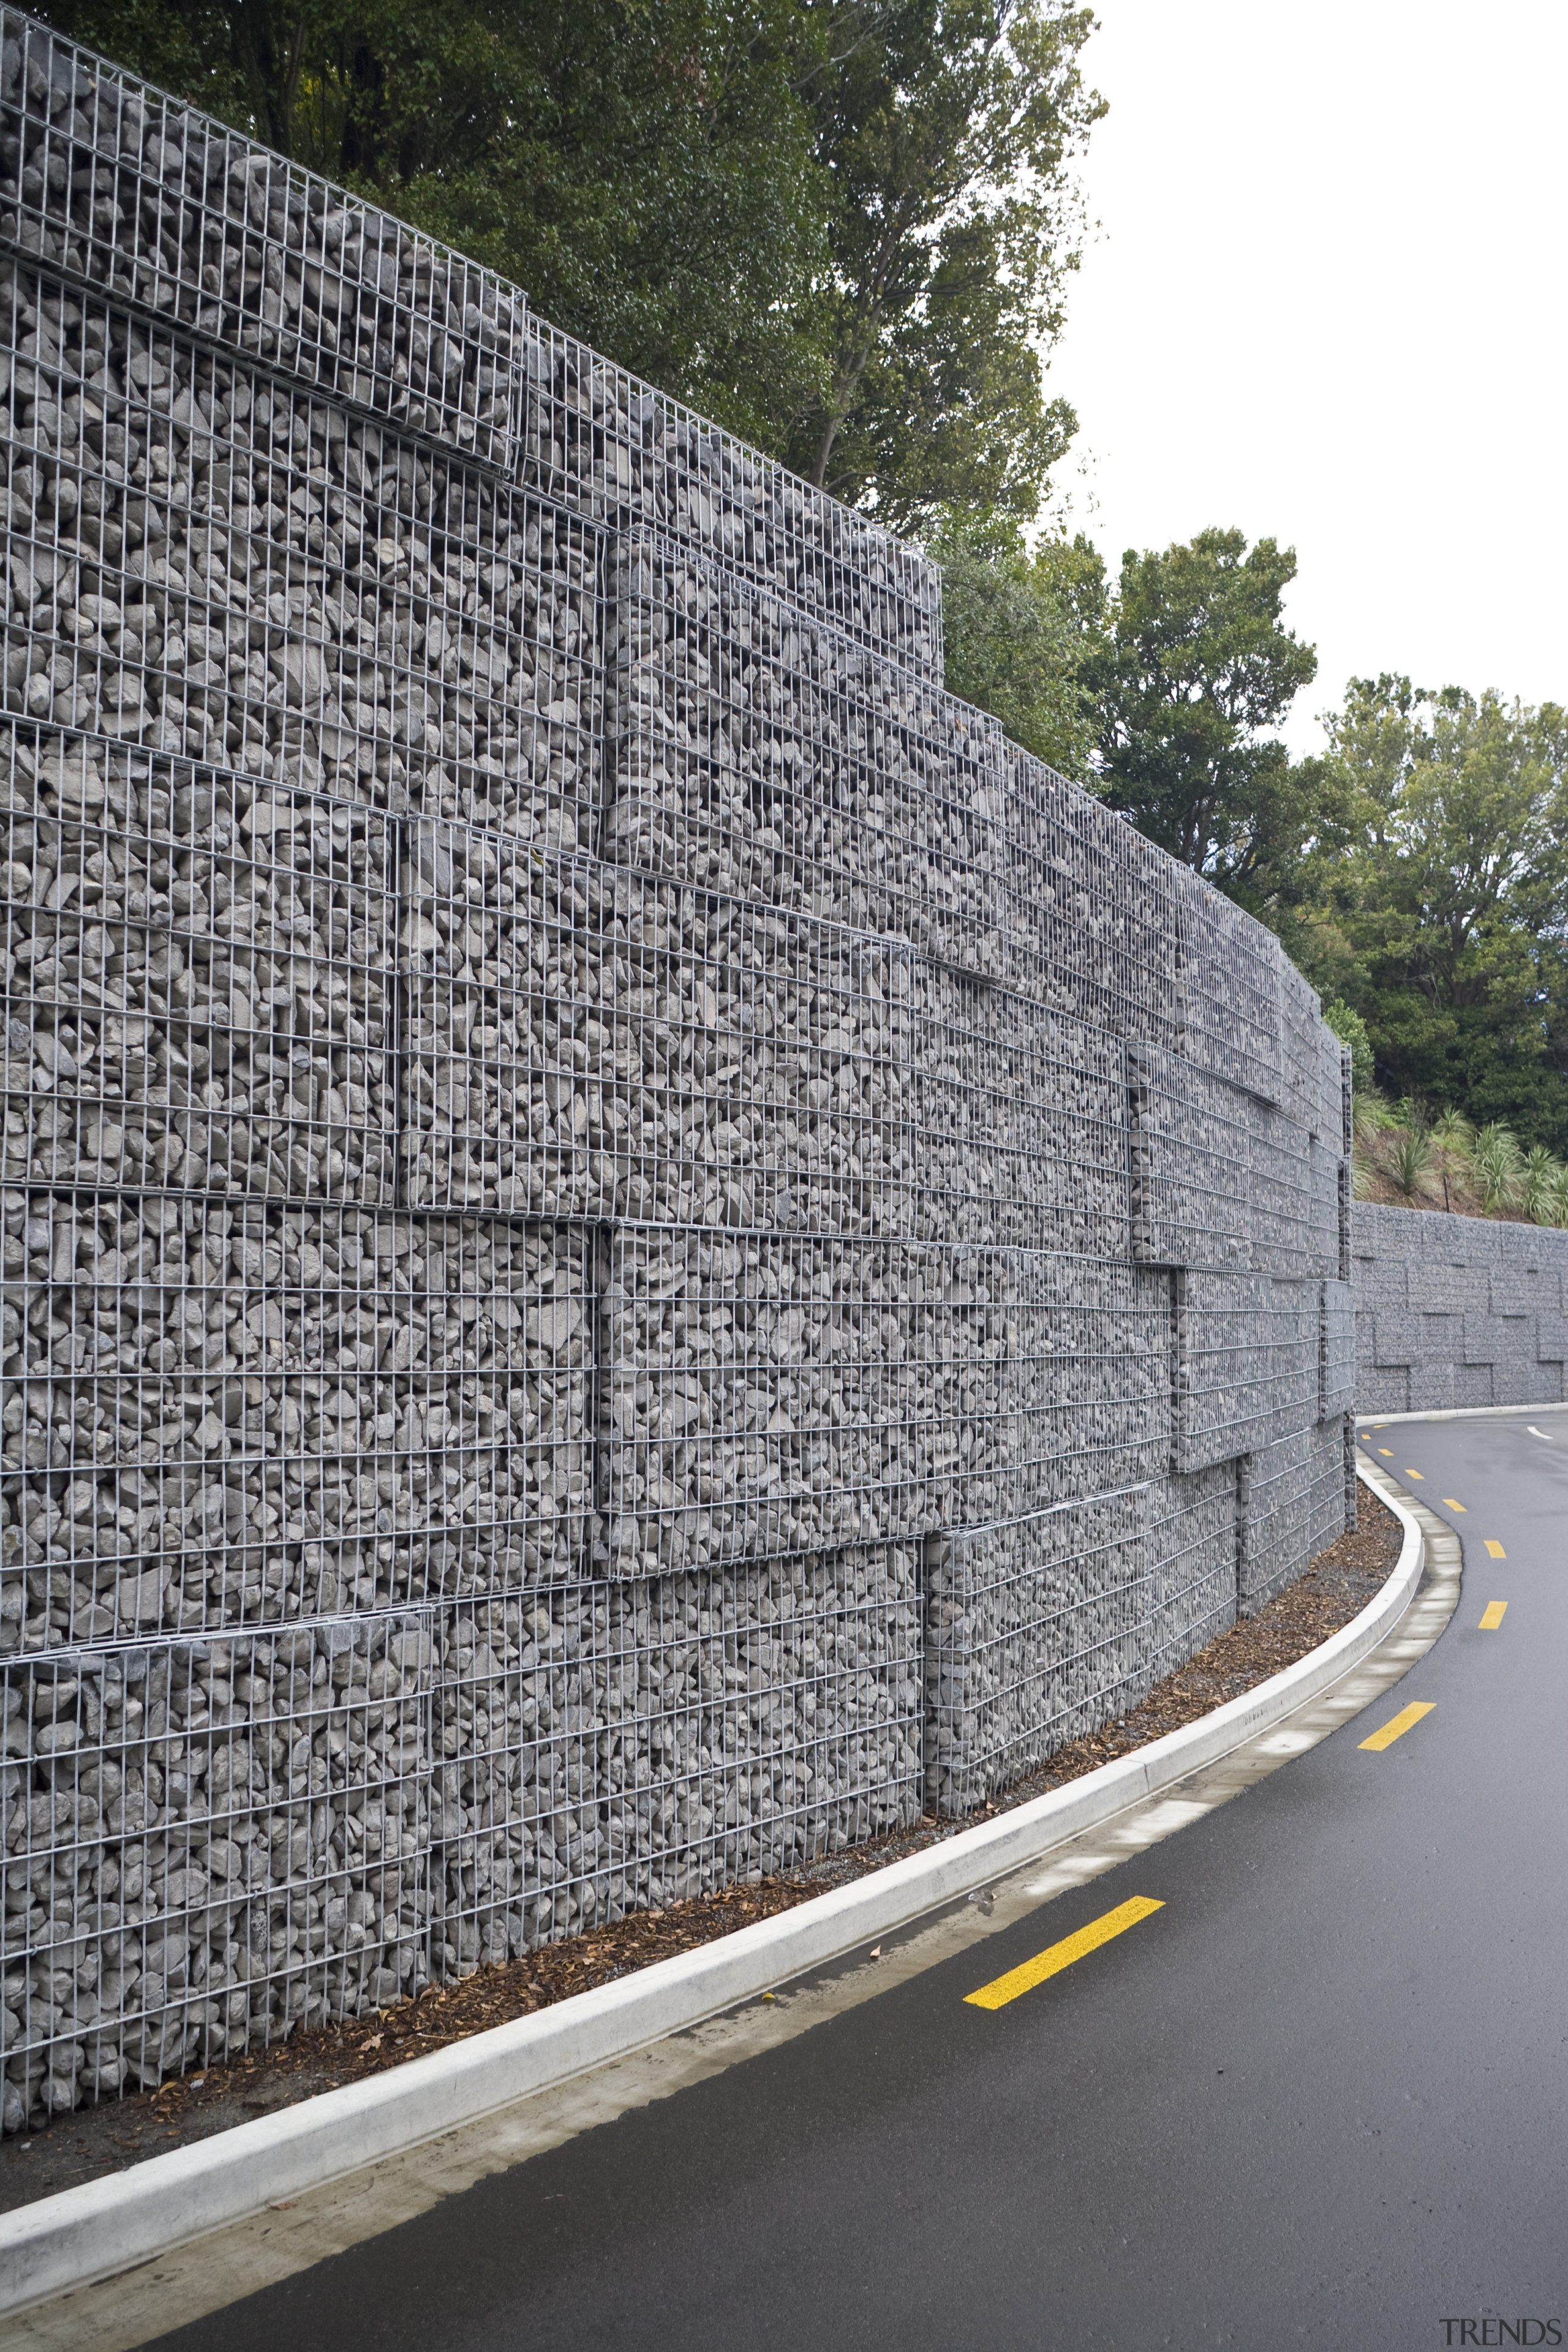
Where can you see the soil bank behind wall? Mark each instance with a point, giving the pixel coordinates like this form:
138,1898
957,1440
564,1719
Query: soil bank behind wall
632,1246
1454,1311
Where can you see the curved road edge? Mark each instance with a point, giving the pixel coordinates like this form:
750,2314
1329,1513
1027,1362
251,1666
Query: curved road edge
63,2243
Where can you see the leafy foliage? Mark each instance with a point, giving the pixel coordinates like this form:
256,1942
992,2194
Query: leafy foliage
1443,917
1197,666
1351,1029
1018,628
944,130
645,170
1449,1164
1410,1159
1500,1165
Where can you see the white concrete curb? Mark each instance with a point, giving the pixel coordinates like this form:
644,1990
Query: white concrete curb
1455,1412
105,2226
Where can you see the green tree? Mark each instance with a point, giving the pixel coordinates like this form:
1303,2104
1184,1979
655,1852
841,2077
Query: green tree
1195,668
642,167
1351,1030
1018,628
1445,923
840,227
945,129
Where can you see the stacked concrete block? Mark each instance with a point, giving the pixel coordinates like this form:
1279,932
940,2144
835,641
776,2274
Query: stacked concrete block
1456,1311
629,1247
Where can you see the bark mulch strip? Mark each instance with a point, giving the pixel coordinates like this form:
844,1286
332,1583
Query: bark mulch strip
105,2138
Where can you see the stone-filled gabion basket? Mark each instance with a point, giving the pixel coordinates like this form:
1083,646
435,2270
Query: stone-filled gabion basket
632,1248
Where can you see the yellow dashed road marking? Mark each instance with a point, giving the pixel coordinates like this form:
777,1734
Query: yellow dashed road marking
1491,1616
1496,1549
1051,1962
1386,1451
1412,1473
1450,1504
1396,1728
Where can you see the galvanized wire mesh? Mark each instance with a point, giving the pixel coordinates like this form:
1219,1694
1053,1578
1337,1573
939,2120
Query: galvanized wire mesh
767,1395
1035,1630
1458,1311
604,444
629,1247
115,185
618,1744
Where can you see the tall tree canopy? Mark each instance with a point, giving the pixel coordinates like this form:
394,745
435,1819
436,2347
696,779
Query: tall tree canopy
840,227
1196,669
644,168
1444,920
944,130
1018,628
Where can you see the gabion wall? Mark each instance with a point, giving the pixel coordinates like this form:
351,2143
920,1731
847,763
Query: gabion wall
633,1249
1454,1311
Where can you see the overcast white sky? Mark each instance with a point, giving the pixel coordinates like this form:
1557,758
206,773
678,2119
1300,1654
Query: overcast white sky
1327,302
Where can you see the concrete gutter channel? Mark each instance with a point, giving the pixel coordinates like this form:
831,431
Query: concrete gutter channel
102,2227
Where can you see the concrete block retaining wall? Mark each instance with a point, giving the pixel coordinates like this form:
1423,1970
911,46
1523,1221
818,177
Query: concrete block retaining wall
632,1248
1454,1311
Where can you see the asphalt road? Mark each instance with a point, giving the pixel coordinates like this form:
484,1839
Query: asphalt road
1320,2096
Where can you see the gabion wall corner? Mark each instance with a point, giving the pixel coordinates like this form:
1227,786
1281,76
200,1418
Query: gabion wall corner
633,1248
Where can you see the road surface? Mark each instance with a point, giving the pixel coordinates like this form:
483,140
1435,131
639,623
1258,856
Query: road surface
1317,2097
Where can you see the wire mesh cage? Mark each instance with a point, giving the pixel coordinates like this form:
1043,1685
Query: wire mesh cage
764,1394
604,445
199,562
219,1416
1194,1520
582,1041
1035,1630
630,1249
116,185
614,1745
206,1843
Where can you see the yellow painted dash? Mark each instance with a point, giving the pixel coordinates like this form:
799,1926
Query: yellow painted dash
1386,1451
1051,1962
1450,1504
1493,1616
1397,1726
1496,1549
1409,1473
